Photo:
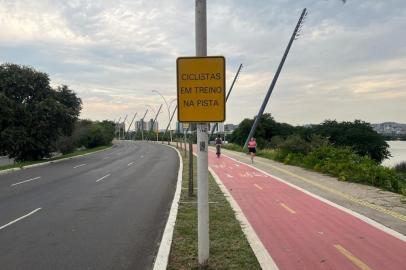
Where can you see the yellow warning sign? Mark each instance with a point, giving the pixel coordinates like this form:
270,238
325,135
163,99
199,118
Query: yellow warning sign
201,89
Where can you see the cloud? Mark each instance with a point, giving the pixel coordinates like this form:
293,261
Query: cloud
348,59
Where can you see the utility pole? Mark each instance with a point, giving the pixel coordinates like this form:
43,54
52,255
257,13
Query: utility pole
125,118
294,36
202,142
153,123
142,125
228,94
117,124
170,120
131,123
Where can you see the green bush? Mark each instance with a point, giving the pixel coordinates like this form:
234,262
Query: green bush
345,164
401,167
87,134
233,147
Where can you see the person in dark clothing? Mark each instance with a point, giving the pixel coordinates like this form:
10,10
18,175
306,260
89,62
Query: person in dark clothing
218,143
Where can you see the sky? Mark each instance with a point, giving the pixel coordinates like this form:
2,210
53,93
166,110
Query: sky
348,63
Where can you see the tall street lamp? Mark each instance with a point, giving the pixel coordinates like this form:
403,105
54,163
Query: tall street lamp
169,112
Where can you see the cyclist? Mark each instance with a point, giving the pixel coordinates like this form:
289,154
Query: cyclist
218,143
252,148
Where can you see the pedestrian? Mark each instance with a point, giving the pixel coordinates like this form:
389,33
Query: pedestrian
218,143
252,148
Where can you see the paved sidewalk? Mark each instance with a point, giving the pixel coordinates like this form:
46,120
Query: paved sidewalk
303,231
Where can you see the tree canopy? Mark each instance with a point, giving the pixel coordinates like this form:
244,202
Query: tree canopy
357,135
33,115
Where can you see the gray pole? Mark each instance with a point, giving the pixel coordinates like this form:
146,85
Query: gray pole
228,94
190,184
118,122
167,107
142,125
184,137
153,123
202,141
131,123
125,118
170,120
275,78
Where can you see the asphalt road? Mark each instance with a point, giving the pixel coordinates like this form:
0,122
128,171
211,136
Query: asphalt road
107,210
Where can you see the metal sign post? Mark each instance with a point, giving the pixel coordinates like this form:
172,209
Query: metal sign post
201,100
202,141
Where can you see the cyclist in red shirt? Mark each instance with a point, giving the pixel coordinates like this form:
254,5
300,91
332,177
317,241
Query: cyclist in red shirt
252,148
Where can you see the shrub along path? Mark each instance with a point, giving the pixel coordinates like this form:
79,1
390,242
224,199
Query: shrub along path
303,232
386,207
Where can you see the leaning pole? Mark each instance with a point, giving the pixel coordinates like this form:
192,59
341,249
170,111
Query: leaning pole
275,78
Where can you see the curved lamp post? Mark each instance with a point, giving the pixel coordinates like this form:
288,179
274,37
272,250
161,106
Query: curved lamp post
167,107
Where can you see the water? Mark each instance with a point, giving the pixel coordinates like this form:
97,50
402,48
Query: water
398,152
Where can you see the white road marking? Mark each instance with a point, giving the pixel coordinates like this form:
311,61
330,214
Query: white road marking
162,256
107,175
77,166
229,176
32,179
131,163
141,156
106,158
20,218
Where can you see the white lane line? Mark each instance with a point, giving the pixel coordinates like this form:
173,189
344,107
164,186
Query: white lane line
131,163
229,176
32,179
141,156
20,218
161,259
106,158
107,175
77,166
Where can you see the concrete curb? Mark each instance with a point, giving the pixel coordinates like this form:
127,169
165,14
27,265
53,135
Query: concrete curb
161,260
49,162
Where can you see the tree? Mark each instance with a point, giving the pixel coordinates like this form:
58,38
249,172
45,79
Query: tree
266,129
32,114
358,135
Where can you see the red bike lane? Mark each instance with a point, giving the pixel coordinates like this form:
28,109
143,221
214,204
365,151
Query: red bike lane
301,231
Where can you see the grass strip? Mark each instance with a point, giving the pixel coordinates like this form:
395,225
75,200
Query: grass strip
75,153
229,248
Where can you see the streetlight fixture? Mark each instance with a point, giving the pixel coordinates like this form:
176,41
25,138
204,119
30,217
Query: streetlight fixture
169,111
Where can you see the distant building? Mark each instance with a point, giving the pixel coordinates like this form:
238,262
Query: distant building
229,128
149,125
219,128
390,128
179,127
141,124
120,126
